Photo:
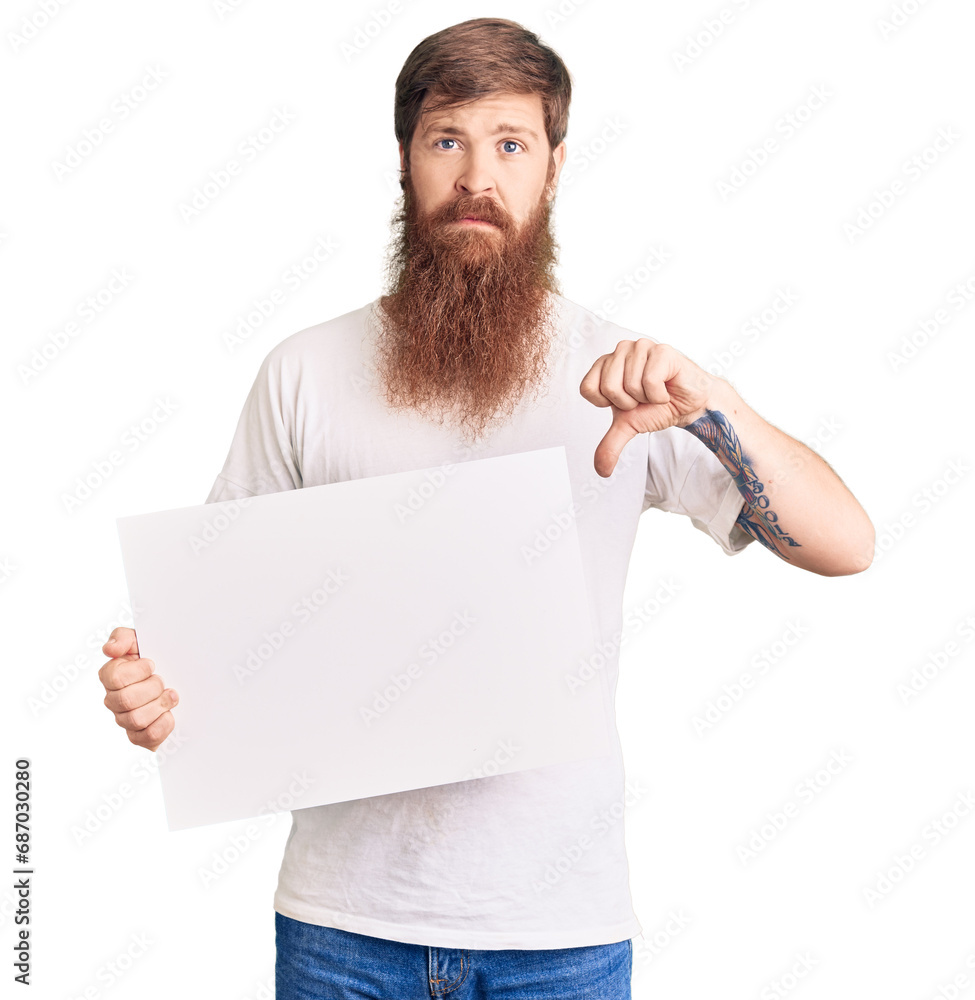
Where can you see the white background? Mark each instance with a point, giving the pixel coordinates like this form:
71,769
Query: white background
649,143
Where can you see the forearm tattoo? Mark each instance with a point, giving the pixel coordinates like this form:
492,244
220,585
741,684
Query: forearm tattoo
757,516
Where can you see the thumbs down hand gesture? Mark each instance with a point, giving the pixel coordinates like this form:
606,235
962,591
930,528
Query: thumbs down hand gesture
649,386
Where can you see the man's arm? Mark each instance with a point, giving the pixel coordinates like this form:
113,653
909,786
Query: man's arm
795,504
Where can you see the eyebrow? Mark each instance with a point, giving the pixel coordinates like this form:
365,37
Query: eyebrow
498,129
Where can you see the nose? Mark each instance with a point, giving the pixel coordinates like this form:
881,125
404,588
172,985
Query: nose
475,176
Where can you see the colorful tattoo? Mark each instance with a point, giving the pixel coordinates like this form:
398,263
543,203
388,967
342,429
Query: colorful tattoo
756,517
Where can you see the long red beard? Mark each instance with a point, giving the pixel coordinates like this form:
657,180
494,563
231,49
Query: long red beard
466,321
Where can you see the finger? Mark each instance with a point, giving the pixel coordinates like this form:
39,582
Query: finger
155,733
611,379
134,696
609,449
612,370
662,366
589,386
120,673
634,368
121,642
144,716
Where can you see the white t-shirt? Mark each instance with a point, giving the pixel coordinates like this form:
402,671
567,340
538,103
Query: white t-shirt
520,860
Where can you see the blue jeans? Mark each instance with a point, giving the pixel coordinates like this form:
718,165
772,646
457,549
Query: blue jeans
323,963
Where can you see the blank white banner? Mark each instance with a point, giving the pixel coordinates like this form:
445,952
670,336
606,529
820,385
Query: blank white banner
327,647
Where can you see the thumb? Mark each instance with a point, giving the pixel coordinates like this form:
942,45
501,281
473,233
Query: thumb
122,642
614,441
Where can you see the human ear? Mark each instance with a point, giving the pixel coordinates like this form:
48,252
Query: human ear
558,158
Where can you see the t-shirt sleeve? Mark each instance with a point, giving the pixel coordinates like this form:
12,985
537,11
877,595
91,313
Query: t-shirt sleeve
685,477
262,454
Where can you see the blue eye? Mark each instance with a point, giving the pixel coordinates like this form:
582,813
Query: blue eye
510,142
444,140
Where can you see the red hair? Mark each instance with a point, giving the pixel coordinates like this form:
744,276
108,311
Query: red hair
475,58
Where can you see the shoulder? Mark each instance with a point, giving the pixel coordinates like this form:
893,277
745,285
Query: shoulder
333,337
579,325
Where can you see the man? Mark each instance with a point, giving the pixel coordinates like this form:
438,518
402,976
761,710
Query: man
508,884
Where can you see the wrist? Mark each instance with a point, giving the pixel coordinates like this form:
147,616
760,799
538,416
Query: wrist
721,398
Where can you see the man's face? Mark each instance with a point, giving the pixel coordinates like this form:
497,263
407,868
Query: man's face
493,148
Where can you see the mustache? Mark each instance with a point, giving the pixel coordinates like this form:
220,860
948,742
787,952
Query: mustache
472,207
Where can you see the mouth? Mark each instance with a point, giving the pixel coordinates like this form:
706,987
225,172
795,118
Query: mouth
470,220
